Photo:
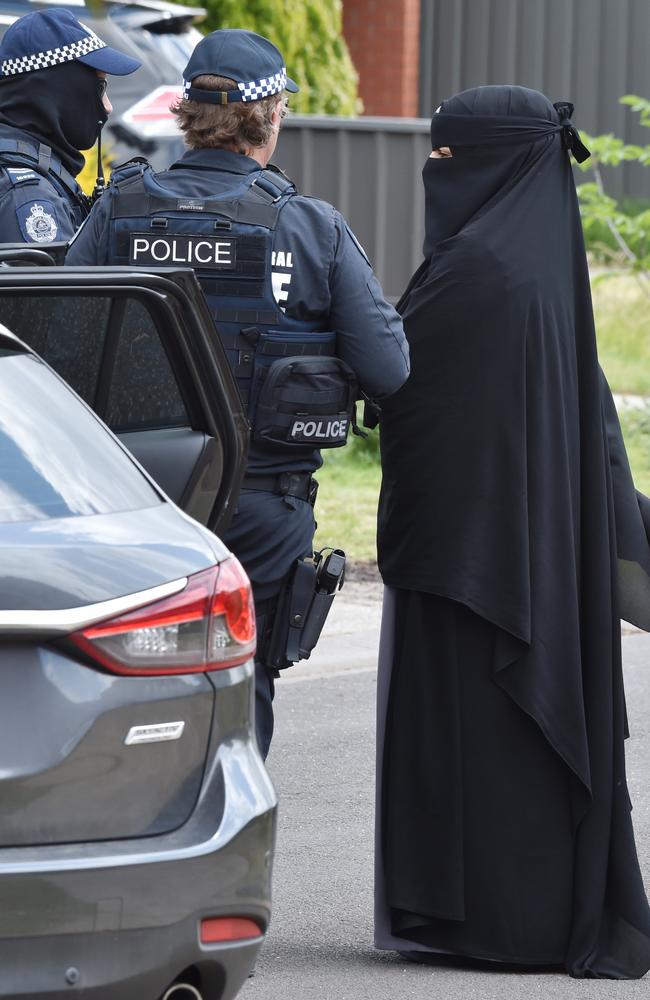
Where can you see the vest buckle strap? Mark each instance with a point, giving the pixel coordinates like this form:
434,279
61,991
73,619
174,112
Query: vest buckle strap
44,157
44,163
264,192
273,183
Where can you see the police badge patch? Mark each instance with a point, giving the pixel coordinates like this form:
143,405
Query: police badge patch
38,225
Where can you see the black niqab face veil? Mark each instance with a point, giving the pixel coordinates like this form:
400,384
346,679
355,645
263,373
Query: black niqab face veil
489,131
60,106
503,487
481,176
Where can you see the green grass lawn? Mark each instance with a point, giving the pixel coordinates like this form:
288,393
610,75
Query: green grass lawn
346,509
622,312
349,481
636,430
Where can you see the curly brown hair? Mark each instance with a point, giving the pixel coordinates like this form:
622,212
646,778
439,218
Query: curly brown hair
240,126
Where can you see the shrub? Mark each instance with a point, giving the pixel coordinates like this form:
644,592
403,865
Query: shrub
309,35
617,236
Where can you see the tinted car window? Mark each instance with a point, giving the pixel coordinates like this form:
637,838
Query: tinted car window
56,459
91,340
143,392
69,333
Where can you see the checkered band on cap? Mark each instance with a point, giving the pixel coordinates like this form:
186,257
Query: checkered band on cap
257,89
52,57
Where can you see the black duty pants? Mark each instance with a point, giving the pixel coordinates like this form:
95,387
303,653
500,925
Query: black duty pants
268,533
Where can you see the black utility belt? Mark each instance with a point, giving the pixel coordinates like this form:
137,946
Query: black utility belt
301,485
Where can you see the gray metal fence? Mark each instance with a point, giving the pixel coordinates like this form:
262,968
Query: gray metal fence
590,52
370,169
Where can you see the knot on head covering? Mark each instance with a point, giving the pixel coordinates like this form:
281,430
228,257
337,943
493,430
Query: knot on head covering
505,129
570,135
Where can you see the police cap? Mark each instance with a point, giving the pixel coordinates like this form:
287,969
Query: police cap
45,38
252,61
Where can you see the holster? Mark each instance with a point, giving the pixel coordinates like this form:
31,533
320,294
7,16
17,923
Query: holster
303,607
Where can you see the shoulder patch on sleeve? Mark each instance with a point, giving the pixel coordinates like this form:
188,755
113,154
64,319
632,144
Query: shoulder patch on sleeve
22,175
38,221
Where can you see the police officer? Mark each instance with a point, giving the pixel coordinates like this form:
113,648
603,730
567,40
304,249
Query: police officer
294,298
52,105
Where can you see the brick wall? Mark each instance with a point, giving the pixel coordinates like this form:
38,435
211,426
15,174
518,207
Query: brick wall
383,38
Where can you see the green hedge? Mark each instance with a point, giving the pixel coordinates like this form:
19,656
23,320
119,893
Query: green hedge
309,35
600,241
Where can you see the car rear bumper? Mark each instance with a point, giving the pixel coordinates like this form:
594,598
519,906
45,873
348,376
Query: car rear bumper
121,919
123,965
129,932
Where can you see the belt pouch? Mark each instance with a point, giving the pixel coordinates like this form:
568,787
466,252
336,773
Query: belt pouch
306,402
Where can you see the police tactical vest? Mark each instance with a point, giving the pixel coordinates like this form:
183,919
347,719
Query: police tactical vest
298,395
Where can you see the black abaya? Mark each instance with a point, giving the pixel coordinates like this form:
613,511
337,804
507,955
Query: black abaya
479,862
504,514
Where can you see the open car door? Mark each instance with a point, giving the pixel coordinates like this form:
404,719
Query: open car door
141,349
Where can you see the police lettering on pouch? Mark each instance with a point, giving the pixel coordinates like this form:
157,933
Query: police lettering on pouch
197,251
319,430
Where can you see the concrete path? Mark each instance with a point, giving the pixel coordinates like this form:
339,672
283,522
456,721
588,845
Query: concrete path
627,401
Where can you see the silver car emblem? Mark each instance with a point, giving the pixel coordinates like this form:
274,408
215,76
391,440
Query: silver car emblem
159,732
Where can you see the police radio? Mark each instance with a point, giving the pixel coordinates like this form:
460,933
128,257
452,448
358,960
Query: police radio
100,183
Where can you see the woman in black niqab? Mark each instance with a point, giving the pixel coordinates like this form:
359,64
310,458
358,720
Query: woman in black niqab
509,535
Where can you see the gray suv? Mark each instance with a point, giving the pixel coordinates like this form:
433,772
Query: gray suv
136,819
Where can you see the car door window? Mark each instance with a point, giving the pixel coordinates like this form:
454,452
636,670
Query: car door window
140,349
108,349
70,334
143,390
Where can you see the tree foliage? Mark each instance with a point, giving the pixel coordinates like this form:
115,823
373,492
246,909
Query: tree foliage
309,35
628,245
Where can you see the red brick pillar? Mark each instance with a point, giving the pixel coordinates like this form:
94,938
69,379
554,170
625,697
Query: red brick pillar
383,38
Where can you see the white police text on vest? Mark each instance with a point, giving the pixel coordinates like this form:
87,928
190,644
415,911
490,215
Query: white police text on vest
319,429
215,253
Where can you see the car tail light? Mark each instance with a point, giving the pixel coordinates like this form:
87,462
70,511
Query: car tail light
209,625
215,929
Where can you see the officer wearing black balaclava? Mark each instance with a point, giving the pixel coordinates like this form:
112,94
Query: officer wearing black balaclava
53,104
296,305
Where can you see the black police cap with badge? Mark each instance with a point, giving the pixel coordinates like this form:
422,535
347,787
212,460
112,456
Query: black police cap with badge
251,61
